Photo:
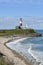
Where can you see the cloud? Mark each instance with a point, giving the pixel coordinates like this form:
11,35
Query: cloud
36,23
29,18
8,19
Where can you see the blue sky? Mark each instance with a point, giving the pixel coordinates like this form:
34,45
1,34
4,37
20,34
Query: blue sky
30,10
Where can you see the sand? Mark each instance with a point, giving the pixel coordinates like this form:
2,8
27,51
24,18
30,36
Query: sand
9,55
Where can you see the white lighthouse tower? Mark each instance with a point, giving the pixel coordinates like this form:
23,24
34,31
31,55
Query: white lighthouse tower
20,22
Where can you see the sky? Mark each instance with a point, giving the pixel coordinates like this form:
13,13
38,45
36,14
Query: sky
30,10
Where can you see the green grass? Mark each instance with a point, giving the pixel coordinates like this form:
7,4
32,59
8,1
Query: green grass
3,62
16,31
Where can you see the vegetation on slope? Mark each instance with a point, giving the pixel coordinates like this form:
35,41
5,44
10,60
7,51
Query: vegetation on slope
16,31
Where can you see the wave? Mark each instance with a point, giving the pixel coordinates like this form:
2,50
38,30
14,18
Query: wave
36,55
29,50
24,48
16,41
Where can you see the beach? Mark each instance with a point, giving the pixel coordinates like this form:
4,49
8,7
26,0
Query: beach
8,53
23,47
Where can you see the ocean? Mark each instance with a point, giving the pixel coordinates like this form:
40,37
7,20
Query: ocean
31,48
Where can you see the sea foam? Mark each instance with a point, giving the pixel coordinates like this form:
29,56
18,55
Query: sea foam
38,55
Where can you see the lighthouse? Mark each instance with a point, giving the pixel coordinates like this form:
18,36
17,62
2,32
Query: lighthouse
20,22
